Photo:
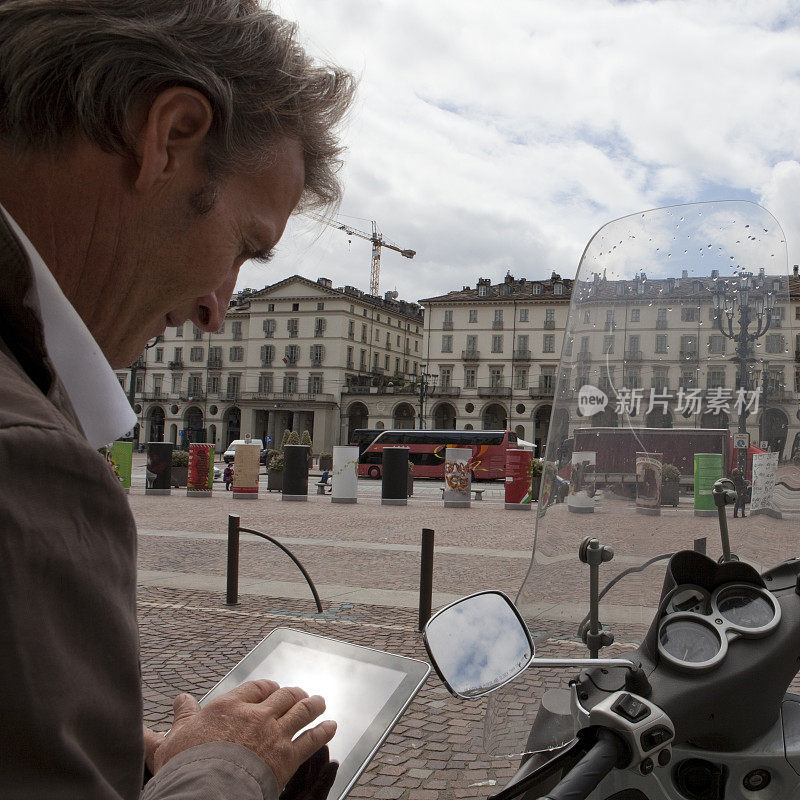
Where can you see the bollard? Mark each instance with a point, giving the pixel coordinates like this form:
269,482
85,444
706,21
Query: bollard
394,476
426,578
232,594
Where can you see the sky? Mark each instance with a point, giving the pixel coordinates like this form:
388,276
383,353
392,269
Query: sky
497,137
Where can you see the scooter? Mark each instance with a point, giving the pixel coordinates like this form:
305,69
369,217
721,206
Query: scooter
694,704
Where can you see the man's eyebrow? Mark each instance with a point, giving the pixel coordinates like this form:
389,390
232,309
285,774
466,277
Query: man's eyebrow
262,256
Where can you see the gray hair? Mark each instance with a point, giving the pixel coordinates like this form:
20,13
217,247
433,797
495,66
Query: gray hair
80,68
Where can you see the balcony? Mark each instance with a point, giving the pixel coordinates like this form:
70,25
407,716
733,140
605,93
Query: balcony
470,355
610,326
289,397
175,364
633,355
376,370
447,326
494,391
446,391
689,355
522,355
349,365
541,391
661,324
158,396
214,363
230,397
584,355
266,362
497,324
194,395
549,324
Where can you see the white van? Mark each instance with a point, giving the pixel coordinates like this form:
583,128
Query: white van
228,455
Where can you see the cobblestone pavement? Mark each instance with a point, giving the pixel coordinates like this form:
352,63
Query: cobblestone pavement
364,559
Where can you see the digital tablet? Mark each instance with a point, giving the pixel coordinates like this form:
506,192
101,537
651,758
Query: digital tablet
366,691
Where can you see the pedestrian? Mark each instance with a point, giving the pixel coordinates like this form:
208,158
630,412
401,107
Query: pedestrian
148,148
227,476
740,484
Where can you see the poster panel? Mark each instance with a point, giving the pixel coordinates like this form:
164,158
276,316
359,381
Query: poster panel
457,477
707,470
648,482
200,479
582,486
245,470
120,459
158,473
344,476
765,472
519,478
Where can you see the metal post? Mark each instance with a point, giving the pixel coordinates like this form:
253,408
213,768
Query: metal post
426,578
232,595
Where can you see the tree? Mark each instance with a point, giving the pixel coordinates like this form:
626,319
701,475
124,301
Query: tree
294,438
306,438
285,438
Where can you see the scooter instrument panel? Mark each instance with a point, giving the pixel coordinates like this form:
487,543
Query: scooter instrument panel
697,625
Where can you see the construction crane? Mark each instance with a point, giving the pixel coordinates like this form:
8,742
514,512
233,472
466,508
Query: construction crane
377,242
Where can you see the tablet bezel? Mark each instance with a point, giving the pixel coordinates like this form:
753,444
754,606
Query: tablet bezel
414,672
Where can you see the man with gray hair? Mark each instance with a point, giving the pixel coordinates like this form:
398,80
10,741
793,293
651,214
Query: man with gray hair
148,148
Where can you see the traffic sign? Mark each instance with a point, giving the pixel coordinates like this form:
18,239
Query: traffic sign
741,441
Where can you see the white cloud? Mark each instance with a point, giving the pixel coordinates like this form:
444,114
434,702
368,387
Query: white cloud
502,137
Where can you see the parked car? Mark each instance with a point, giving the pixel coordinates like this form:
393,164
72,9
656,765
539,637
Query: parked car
262,459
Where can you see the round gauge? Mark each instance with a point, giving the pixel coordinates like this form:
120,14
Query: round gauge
689,641
688,598
745,606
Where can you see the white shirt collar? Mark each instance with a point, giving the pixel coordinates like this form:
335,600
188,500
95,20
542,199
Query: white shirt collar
99,402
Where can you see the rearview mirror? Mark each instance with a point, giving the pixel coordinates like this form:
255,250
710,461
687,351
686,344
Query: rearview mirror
478,644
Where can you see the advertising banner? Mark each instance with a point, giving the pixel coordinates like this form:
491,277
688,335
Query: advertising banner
200,479
245,471
582,486
158,473
707,471
344,476
765,471
519,479
648,482
120,459
457,477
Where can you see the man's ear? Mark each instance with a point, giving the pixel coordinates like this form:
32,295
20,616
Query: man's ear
172,136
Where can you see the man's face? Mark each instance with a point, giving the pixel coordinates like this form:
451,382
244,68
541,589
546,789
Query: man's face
182,264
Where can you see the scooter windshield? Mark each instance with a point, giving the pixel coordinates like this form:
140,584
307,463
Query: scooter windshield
679,366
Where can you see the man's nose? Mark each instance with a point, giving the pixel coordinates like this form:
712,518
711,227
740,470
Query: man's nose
209,312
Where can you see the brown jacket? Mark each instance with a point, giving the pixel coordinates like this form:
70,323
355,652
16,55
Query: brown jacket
70,688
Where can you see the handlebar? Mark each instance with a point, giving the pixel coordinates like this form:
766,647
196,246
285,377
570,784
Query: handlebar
584,777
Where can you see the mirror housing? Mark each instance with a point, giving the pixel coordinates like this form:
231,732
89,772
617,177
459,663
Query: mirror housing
478,644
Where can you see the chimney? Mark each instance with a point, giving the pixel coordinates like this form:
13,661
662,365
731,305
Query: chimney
685,273
326,282
714,274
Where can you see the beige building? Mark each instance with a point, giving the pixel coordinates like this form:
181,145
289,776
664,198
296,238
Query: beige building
492,353
291,355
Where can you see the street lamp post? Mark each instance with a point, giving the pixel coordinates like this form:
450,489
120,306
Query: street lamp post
754,307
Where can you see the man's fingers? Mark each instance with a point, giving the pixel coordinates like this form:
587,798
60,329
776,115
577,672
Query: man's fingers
184,706
308,742
253,691
283,699
302,713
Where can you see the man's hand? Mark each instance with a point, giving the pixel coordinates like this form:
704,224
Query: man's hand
259,715
152,741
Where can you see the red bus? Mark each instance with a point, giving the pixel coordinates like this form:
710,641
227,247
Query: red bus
426,451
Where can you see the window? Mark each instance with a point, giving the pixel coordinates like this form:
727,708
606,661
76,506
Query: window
497,343
198,334
389,340
320,306
608,345
496,377
320,323
221,329
473,314
445,377
498,318
232,387
549,318
375,361
775,343
690,314
661,318
521,378
267,354
290,384
213,384
295,306
351,330
236,330
292,353
363,360
633,345
139,384
179,330
716,343
315,384
317,353
196,354
661,343
215,357
352,309
469,378
378,318
377,334
660,381
349,364
397,366
472,345
482,290
547,380
610,319
237,354
523,315
448,319
159,354
522,345
558,288
688,346
549,343
195,385
537,288
158,385
416,345
269,328
633,378
447,344
270,306
635,314
567,347
398,342
265,382
688,379
716,379
293,325
178,355
363,333
176,384
586,317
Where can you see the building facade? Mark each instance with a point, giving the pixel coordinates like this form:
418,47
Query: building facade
286,357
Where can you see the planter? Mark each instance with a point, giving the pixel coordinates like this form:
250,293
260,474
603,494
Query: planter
274,481
179,477
410,484
536,485
670,494
326,462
